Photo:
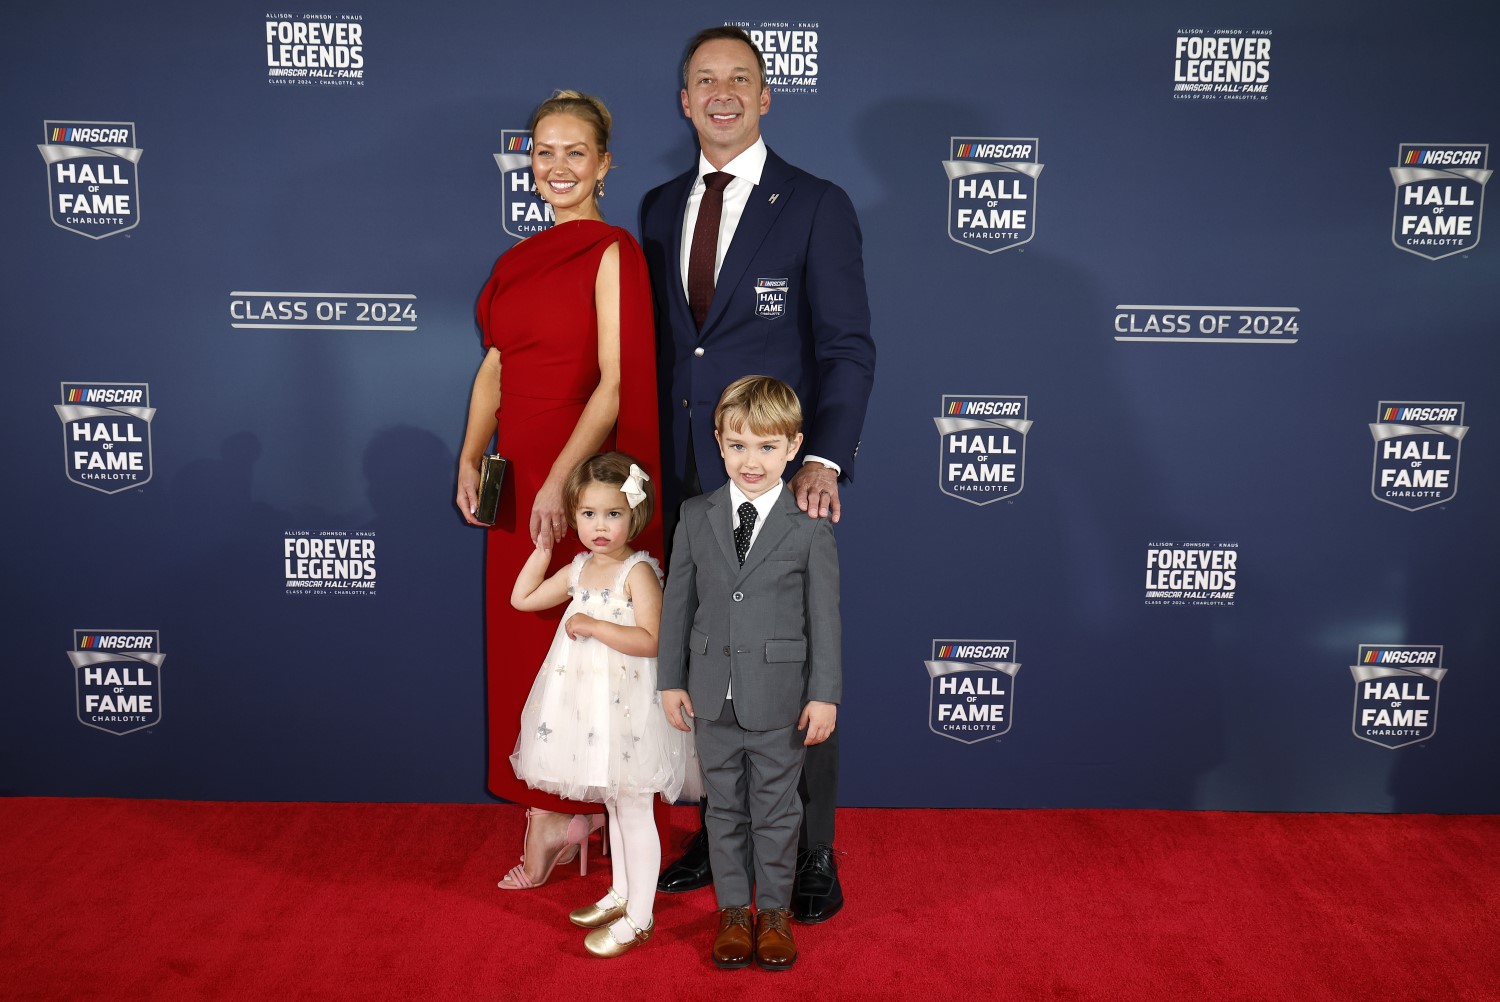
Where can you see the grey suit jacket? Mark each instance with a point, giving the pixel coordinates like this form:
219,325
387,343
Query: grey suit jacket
771,626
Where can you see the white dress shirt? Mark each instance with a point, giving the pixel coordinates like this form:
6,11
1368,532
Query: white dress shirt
762,505
746,168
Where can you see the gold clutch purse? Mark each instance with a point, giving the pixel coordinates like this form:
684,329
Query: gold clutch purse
491,477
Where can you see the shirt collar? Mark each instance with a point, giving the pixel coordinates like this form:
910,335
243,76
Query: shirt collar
762,504
748,165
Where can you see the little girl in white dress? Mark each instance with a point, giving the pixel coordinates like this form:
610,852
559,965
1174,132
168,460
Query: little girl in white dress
593,727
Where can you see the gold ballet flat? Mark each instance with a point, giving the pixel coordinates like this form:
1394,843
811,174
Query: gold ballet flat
592,916
601,944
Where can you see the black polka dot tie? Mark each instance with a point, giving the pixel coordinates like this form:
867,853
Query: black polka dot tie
746,529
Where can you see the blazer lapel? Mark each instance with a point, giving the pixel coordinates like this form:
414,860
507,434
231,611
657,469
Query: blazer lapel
778,524
720,520
766,202
678,299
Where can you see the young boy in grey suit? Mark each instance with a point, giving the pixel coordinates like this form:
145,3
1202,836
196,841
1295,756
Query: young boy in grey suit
750,650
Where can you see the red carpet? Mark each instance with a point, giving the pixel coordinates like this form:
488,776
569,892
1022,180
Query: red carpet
117,899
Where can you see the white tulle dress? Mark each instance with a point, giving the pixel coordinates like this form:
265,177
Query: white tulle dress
593,727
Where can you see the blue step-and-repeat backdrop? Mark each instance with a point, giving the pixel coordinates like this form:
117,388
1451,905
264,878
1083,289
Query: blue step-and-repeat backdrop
1178,487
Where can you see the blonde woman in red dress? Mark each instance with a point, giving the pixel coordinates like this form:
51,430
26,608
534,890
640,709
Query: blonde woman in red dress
569,370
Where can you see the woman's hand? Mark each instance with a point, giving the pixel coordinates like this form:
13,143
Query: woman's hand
468,493
548,522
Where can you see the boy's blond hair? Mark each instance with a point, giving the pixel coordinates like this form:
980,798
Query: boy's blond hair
763,404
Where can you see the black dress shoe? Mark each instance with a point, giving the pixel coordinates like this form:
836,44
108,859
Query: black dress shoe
816,894
691,871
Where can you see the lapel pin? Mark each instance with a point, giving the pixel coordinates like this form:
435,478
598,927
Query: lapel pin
773,198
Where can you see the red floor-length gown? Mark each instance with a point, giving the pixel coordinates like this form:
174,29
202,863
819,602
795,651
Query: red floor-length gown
538,309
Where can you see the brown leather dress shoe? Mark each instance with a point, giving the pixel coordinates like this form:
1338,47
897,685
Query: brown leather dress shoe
732,945
775,950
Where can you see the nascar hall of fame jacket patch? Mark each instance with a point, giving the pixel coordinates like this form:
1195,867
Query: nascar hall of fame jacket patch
1439,197
117,675
982,447
1396,693
107,434
1416,453
92,186
770,297
992,192
972,688
522,212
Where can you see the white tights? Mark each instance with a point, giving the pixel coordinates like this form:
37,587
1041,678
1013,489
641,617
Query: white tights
635,854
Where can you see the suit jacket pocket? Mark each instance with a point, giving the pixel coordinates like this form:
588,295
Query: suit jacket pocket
780,651
698,642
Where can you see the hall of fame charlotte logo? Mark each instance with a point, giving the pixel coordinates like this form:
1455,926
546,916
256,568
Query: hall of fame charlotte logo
982,447
972,688
92,185
1416,452
522,211
106,434
1396,693
770,297
117,676
992,187
1439,197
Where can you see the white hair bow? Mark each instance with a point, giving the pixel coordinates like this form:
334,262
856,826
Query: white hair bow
634,492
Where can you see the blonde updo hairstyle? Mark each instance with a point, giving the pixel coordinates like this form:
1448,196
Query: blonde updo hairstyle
581,106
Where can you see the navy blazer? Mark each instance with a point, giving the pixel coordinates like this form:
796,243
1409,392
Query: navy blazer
790,302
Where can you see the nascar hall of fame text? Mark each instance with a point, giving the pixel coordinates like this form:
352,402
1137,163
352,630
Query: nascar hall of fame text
329,562
1208,324
117,678
323,311
791,52
1396,692
1417,446
1191,573
92,185
982,447
106,434
971,689
303,50
522,211
1221,64
1439,197
992,191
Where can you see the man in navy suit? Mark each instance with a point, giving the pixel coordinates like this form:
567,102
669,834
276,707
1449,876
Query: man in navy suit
770,280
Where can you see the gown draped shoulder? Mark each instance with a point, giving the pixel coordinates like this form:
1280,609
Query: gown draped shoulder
538,309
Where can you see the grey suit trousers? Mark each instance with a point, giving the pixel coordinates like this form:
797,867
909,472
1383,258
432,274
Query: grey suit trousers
750,778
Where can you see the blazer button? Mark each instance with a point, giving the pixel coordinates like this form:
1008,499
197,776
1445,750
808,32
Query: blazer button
726,650
684,404
738,596
698,352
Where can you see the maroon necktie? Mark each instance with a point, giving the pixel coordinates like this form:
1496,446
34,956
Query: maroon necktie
705,247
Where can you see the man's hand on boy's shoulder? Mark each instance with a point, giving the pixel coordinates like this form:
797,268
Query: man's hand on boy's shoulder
676,702
815,488
817,719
